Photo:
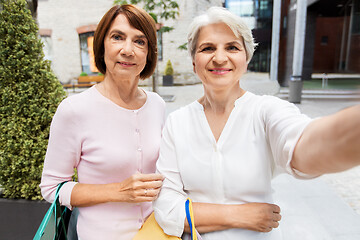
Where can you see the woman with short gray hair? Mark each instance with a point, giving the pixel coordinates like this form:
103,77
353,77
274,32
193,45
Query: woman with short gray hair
224,149
234,22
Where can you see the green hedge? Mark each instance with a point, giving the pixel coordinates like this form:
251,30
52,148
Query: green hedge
29,96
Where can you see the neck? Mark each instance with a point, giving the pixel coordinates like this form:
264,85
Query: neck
124,92
220,101
123,88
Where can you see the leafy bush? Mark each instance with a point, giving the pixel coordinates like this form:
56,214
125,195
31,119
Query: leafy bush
83,74
29,96
169,69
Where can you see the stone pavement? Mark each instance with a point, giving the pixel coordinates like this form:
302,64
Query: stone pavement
325,208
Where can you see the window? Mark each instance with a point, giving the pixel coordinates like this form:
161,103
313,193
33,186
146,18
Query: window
159,45
45,36
285,22
87,53
356,18
265,9
47,48
86,37
243,8
324,40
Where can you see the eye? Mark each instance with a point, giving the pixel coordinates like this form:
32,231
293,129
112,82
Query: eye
117,37
207,49
140,42
233,48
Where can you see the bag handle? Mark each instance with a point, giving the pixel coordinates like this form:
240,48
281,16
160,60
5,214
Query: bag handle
48,213
58,190
190,218
61,221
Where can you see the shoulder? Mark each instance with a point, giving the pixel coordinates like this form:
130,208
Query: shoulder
274,110
265,100
154,98
182,121
267,108
268,103
75,104
185,113
271,100
274,104
83,98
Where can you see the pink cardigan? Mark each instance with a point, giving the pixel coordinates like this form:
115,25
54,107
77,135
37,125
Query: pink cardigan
107,144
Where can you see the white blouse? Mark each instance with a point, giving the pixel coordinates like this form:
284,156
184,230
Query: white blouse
256,143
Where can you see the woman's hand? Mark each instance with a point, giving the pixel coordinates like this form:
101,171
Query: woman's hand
260,217
140,187
137,188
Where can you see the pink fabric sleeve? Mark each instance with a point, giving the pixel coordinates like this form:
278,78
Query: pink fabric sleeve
62,156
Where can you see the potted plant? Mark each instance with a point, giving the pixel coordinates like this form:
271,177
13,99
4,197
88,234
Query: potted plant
30,94
85,78
168,78
83,74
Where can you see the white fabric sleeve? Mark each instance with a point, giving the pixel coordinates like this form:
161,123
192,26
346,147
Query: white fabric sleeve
62,155
169,207
284,126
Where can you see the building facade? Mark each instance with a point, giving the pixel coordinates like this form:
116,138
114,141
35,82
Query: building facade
332,36
67,27
61,26
332,40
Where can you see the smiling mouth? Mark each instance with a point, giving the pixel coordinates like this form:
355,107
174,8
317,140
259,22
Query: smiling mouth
126,64
220,70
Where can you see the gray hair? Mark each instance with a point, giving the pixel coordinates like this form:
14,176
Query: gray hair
221,15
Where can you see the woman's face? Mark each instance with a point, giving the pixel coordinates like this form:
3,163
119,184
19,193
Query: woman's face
126,49
220,57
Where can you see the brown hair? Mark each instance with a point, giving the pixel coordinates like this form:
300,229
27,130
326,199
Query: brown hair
138,19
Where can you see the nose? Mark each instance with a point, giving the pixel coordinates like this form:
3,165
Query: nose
127,48
220,56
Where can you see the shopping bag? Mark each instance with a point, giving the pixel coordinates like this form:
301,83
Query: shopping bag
152,231
54,224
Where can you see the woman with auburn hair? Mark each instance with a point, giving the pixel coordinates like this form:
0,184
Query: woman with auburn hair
224,149
110,133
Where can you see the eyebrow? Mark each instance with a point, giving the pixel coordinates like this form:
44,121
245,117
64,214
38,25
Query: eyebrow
234,42
205,44
122,33
228,43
